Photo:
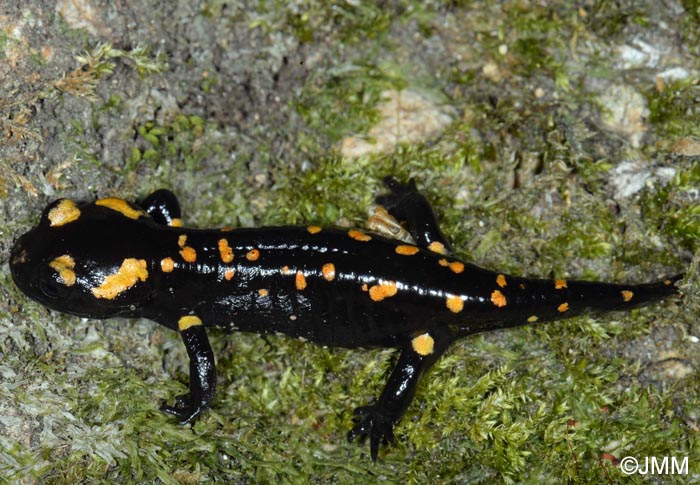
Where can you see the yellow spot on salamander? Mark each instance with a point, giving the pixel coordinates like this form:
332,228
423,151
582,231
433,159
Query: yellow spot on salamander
668,282
121,206
263,292
498,299
501,280
286,270
385,289
358,235
365,287
406,250
176,222
455,303
182,240
328,271
423,344
252,255
532,319
443,262
522,286
437,247
167,264
188,254
457,266
66,211
188,321
627,295
559,284
300,281
129,273
563,307
64,266
225,251
228,274
313,229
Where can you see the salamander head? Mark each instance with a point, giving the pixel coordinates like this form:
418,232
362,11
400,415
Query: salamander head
85,259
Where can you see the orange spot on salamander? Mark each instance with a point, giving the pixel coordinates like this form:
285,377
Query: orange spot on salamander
285,270
559,284
182,240
443,262
121,206
300,281
532,319
263,292
167,265
454,303
188,321
358,235
457,266
313,229
423,344
64,266
129,273
563,307
627,295
225,251
437,247
252,255
228,274
176,222
406,250
385,289
328,271
498,299
66,211
365,287
501,280
188,254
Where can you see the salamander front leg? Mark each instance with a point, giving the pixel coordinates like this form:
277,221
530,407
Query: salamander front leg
163,207
202,372
377,420
413,211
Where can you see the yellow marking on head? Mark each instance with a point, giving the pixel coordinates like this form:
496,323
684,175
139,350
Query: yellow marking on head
498,299
182,240
423,344
189,254
64,267
437,247
563,307
225,251
457,266
167,264
406,250
228,274
627,295
129,273
559,284
313,229
455,303
66,211
443,262
176,222
385,289
121,206
252,255
501,281
532,319
300,281
365,287
263,292
358,235
188,321
328,271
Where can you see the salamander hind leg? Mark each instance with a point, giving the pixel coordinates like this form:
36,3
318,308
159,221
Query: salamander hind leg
202,372
163,206
377,420
413,211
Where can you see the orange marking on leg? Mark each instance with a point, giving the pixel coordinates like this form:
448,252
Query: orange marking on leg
423,344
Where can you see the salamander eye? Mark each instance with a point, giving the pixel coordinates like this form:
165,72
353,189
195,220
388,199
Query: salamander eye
52,289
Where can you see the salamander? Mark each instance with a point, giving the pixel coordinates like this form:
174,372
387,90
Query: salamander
336,287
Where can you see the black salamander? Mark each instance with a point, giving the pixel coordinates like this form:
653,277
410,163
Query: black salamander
335,287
